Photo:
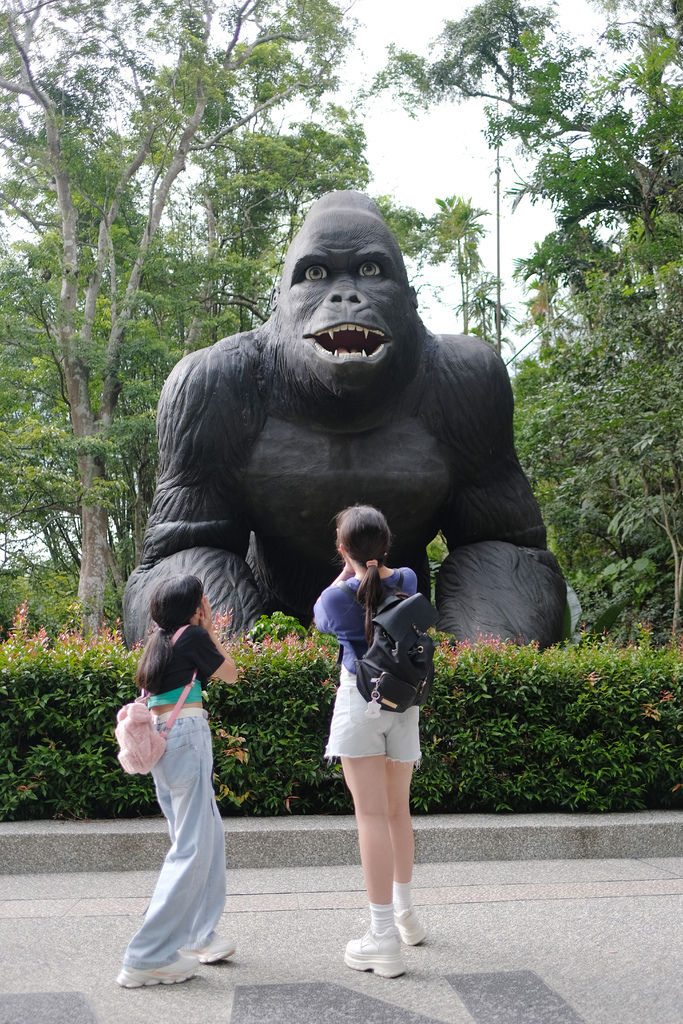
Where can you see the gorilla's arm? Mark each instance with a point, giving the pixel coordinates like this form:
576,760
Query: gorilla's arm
498,579
209,415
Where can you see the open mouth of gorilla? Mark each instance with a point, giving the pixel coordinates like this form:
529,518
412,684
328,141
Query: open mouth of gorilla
349,340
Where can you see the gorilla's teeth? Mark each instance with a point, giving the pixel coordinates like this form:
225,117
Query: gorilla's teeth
331,331
345,354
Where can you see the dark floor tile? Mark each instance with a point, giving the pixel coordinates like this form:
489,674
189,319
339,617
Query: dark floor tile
312,1003
47,1008
512,997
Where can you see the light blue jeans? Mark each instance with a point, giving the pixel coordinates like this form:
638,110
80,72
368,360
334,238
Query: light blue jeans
190,894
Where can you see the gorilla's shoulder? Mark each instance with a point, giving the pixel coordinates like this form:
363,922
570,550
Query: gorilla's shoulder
469,386
228,357
468,355
213,391
469,365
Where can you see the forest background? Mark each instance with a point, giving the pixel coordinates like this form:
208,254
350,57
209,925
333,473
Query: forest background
152,175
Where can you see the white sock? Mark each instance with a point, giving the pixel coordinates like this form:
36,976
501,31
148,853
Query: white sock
402,900
381,917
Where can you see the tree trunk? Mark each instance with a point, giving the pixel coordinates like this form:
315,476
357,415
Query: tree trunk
95,549
93,575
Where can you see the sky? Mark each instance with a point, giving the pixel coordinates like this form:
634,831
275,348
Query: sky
444,152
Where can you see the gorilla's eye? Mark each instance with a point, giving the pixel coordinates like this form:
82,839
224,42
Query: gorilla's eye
369,269
316,273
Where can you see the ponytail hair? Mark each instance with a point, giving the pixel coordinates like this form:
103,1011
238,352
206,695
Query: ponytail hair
365,535
172,605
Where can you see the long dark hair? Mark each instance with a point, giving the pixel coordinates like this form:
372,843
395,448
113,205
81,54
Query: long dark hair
172,605
365,535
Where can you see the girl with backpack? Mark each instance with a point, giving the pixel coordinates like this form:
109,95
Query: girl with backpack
377,752
178,932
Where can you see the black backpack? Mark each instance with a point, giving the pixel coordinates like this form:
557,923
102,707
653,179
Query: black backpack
397,671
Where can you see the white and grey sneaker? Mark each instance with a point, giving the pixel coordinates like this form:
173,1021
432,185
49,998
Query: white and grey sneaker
379,953
184,967
411,928
219,949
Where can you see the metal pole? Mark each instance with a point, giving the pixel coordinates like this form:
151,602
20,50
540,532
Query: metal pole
498,316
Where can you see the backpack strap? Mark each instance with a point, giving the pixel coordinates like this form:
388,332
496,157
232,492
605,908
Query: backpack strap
389,601
181,700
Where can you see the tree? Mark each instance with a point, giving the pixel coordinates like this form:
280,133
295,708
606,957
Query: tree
457,231
599,411
257,191
605,137
103,108
600,432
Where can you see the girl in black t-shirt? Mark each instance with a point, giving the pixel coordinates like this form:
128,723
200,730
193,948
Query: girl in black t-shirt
178,932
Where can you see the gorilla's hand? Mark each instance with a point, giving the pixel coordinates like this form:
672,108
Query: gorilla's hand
228,584
501,590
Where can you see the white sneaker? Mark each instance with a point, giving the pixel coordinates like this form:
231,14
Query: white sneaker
411,928
219,949
184,967
379,953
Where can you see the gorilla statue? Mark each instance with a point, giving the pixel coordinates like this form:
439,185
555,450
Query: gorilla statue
345,397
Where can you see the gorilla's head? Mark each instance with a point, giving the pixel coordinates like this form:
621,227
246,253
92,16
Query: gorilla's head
345,337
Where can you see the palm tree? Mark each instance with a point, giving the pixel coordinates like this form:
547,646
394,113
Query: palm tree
457,233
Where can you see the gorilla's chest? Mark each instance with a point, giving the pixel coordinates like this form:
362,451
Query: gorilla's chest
299,478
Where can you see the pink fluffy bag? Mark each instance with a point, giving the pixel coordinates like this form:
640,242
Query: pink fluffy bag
141,745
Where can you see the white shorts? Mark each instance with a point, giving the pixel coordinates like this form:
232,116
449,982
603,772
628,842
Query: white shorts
397,736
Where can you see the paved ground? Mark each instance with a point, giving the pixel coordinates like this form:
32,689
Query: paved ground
509,942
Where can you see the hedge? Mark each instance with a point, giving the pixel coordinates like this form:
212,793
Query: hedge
588,728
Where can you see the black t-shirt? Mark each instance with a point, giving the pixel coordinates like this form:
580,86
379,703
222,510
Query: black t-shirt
194,649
